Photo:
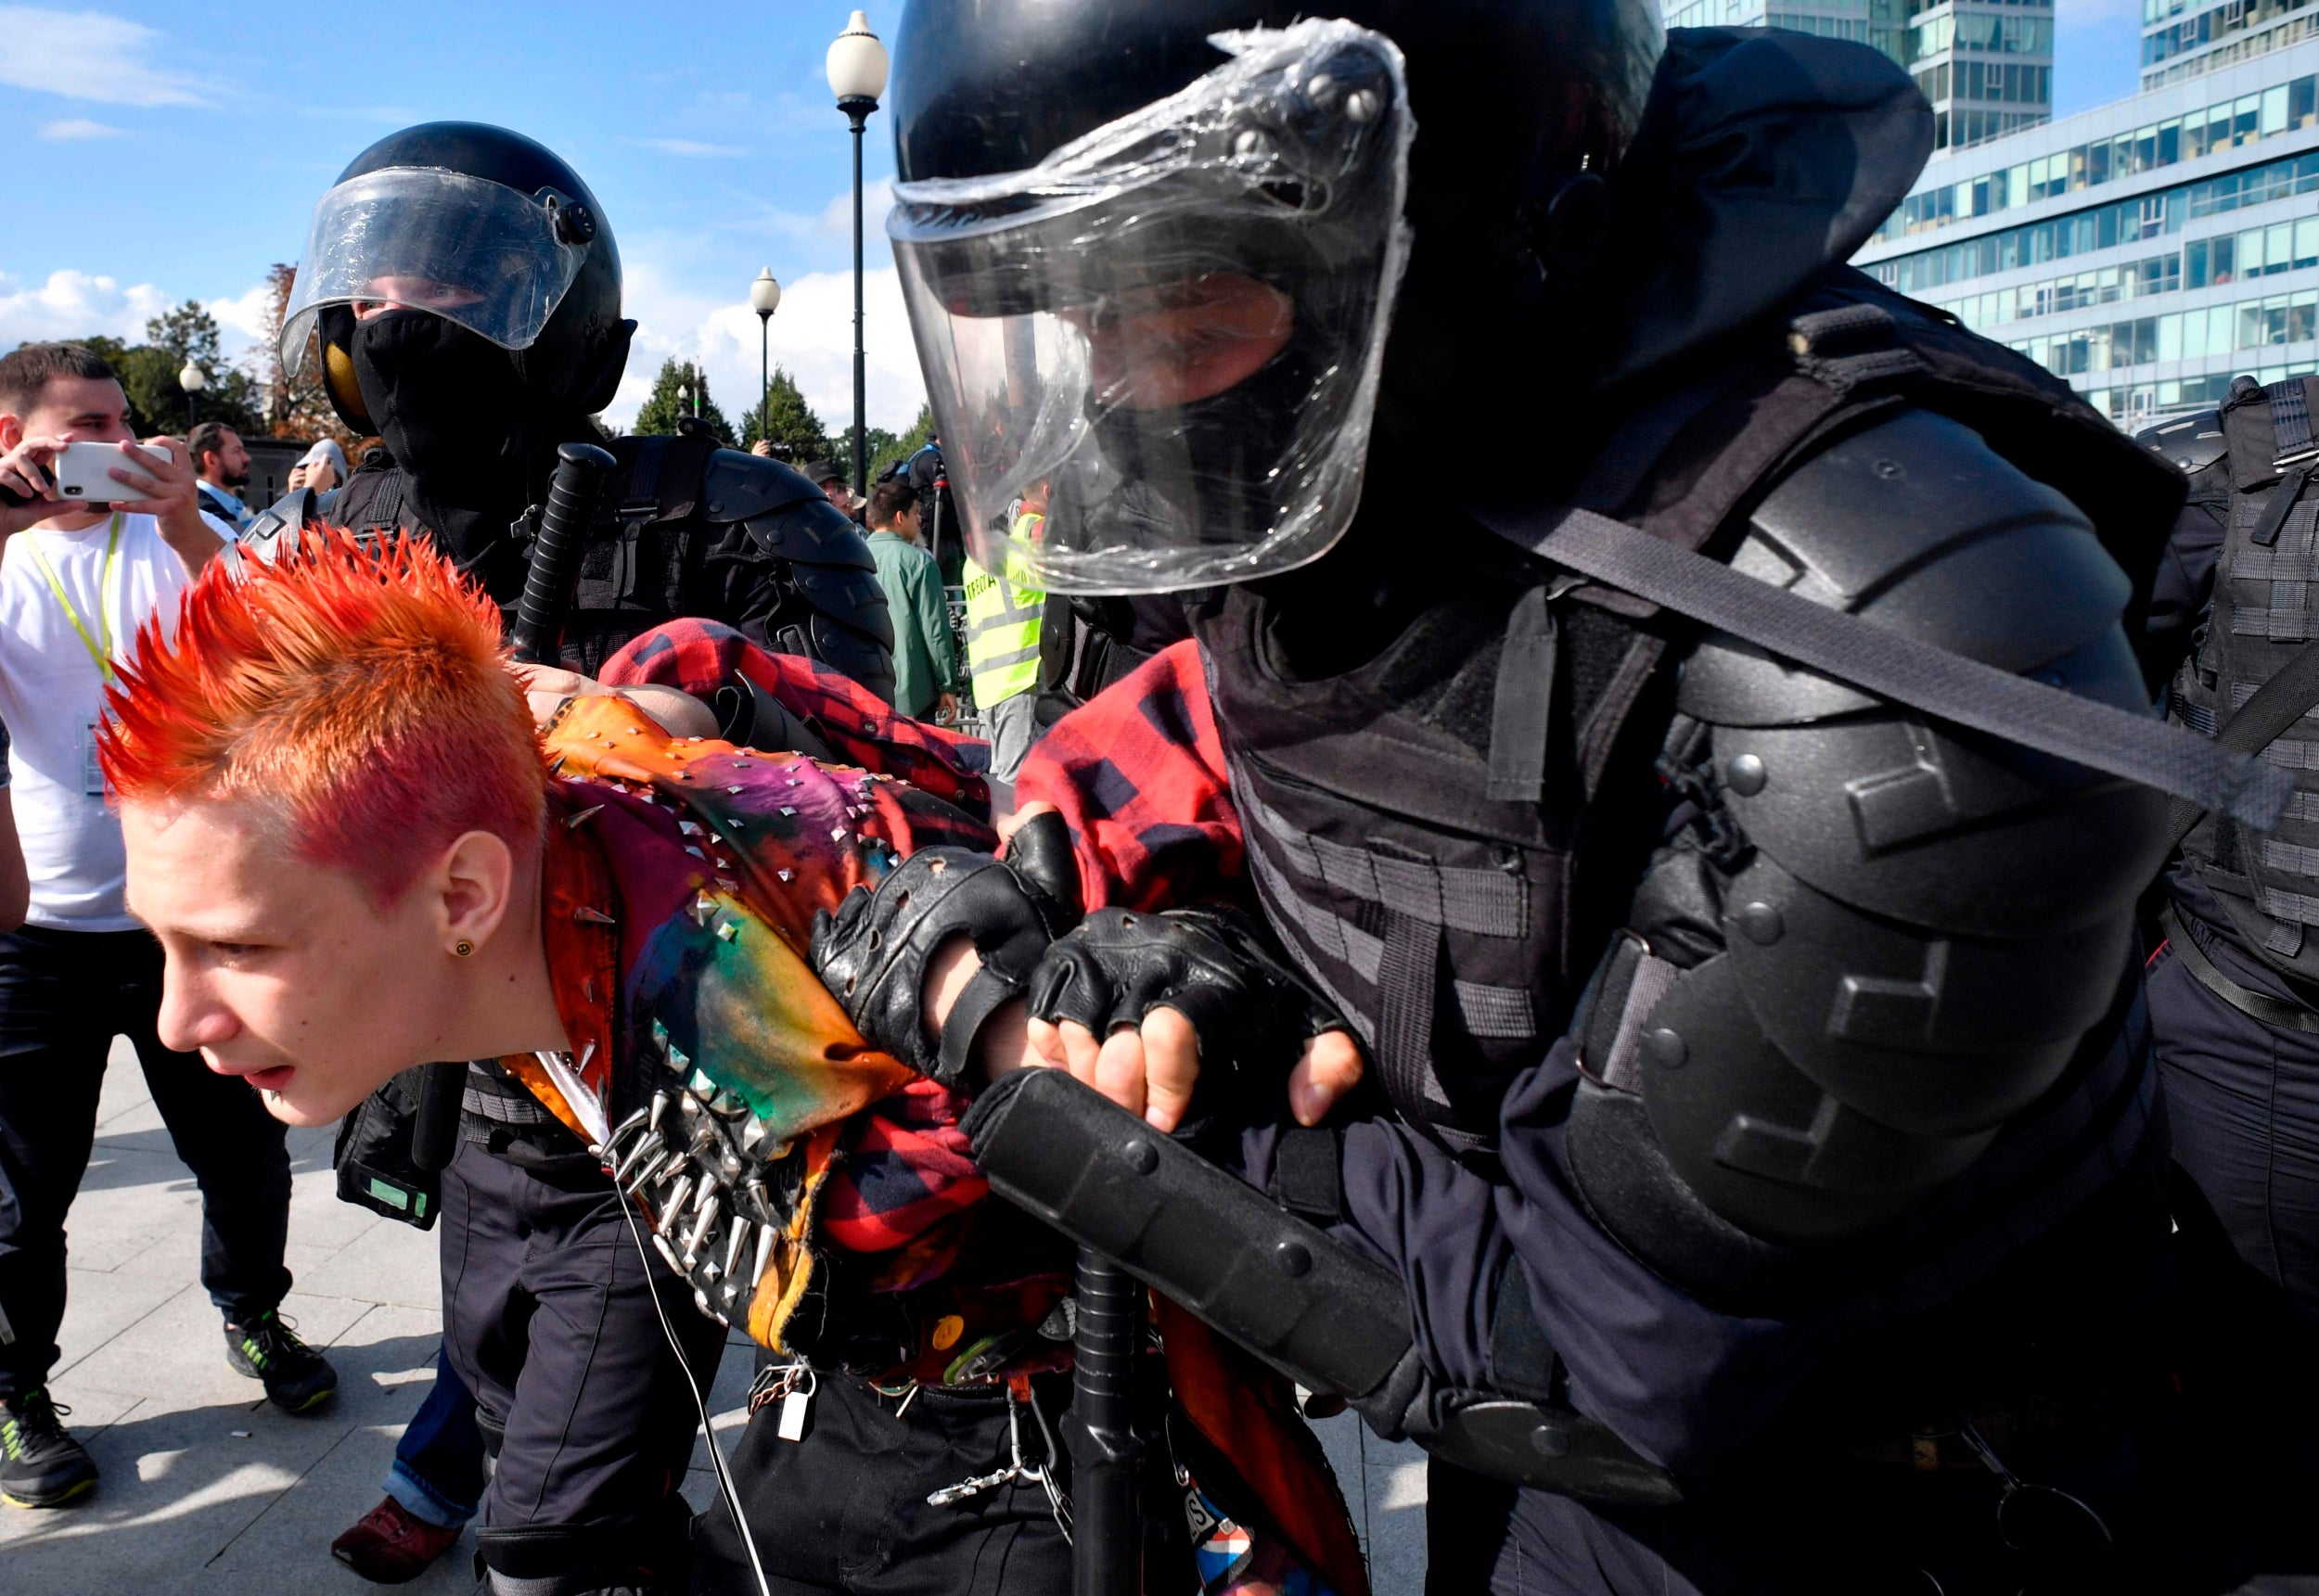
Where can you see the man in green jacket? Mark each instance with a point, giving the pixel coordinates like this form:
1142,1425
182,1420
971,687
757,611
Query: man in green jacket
925,662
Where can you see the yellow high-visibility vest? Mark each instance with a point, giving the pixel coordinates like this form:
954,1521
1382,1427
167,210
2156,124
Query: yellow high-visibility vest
1003,625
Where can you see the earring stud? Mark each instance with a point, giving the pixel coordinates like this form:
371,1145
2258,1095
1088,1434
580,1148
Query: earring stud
462,947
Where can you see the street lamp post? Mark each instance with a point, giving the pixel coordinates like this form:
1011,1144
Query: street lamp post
764,298
857,76
193,379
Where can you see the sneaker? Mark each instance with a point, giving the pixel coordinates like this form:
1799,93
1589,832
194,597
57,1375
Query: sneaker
390,1546
296,1377
40,1466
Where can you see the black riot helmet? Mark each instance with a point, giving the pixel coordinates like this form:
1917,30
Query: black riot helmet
486,230
1375,206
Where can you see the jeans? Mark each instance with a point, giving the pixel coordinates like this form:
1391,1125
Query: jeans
438,1470
1013,724
64,995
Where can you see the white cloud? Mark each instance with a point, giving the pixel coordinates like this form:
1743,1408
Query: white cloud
691,147
812,335
89,56
243,316
837,217
73,305
72,129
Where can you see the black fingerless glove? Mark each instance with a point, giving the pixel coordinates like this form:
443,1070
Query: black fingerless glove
1213,965
873,953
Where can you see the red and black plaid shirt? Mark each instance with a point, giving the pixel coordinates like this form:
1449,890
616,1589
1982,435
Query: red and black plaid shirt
1138,773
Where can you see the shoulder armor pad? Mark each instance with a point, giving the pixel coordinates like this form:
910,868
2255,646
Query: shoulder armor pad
786,516
1919,524
2189,443
273,532
737,486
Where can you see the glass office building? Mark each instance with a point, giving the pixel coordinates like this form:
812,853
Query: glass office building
1986,65
2149,250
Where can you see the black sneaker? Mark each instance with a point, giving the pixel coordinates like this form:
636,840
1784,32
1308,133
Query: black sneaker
40,1466
296,1377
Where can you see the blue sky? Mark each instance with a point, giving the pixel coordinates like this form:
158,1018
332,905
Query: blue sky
165,153
172,152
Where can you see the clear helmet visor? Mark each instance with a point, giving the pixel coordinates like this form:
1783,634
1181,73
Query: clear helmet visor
465,248
1153,358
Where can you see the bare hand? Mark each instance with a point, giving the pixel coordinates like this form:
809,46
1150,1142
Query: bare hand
297,476
945,708
762,449
24,472
170,496
1152,1071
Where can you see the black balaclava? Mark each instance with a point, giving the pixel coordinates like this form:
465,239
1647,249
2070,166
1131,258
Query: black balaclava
456,414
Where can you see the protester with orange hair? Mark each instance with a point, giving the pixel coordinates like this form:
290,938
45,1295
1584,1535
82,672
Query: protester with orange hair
341,827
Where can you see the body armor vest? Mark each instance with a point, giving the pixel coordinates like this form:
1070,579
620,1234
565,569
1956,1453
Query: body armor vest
684,529
1860,947
2263,612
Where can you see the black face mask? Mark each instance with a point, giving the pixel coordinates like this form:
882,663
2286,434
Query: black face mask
1213,467
452,411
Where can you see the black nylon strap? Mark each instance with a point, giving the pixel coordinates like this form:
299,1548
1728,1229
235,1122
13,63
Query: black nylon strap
2246,999
1405,980
1942,684
2282,499
1522,714
2290,694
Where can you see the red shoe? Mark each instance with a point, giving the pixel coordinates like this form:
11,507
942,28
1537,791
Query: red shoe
388,1546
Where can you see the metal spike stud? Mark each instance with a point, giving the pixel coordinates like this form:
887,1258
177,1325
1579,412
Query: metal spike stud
588,916
764,1254
704,909
575,821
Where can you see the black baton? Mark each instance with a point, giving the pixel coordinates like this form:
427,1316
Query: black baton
571,495
1106,1533
435,1124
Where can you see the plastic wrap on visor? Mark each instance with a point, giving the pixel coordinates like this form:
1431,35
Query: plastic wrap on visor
474,253
1157,351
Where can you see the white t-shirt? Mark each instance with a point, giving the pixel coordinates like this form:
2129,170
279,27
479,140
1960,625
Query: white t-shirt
51,693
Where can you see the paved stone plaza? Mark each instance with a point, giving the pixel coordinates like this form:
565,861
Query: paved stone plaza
208,1488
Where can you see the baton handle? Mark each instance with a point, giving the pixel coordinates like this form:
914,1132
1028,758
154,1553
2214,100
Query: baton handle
435,1127
580,469
1106,1533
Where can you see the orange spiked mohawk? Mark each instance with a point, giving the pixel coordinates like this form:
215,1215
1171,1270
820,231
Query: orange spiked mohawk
358,692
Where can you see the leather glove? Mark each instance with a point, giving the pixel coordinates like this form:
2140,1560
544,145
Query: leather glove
873,953
1213,965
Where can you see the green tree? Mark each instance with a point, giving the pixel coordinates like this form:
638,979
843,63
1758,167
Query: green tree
660,412
787,420
882,446
148,373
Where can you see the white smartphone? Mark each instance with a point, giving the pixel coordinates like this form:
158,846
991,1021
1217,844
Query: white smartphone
84,472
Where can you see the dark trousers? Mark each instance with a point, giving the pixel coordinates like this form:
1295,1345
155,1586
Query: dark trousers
64,995
549,1318
2243,1100
438,1470
844,1510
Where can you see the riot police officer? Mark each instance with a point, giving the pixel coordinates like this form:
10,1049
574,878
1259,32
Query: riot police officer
462,290
1770,1101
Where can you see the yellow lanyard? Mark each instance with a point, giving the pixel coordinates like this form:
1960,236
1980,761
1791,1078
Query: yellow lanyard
102,652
